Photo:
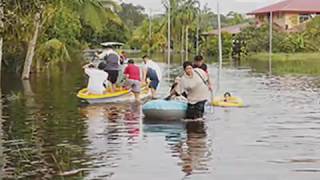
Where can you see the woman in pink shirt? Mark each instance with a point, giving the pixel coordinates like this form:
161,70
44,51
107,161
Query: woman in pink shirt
132,73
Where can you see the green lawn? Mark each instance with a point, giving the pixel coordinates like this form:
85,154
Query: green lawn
286,57
298,63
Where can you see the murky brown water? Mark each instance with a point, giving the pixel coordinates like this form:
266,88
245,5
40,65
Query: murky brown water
48,133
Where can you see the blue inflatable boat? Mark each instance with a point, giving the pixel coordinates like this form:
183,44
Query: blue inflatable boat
164,110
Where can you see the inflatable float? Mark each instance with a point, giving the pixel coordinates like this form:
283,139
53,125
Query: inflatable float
120,95
227,101
164,110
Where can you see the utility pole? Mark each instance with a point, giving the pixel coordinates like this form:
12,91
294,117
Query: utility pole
219,47
187,44
169,31
270,43
150,31
198,29
220,37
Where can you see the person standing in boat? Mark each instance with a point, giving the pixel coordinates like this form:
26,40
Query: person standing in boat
194,82
123,58
112,60
97,78
132,73
198,62
151,71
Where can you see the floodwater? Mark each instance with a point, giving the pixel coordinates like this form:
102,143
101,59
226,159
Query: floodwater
47,133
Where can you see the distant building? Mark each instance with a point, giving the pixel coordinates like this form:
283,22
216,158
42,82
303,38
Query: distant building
288,15
236,29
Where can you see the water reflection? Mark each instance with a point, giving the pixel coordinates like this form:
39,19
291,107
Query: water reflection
195,154
111,133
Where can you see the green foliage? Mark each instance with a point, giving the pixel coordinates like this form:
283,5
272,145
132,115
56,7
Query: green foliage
53,52
140,37
257,39
132,15
226,44
234,18
65,25
112,32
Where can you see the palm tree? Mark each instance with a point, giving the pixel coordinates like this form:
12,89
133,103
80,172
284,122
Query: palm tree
183,13
189,12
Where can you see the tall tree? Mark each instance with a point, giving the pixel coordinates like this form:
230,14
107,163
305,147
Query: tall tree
1,35
31,48
132,15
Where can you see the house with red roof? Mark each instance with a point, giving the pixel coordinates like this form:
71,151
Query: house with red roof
288,15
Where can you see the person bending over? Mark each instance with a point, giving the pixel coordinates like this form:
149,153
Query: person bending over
97,78
194,82
152,72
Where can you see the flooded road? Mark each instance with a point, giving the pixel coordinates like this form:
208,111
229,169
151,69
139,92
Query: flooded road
48,133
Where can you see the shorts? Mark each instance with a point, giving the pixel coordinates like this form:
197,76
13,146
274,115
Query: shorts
135,85
195,111
154,84
112,76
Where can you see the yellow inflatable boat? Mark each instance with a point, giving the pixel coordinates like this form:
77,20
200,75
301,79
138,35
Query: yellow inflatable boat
120,95
229,101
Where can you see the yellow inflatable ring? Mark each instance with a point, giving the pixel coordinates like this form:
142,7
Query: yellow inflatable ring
231,102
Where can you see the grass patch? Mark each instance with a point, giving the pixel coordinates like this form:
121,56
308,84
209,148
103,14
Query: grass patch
286,57
282,63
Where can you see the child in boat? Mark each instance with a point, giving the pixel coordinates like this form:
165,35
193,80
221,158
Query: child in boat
132,73
97,78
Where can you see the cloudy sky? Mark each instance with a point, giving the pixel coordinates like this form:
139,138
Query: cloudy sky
242,6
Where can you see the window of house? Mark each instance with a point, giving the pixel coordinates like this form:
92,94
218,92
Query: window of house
304,17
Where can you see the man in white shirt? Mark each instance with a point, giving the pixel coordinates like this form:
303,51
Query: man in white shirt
97,78
151,71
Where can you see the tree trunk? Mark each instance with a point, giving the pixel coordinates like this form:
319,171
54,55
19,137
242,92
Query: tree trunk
187,43
1,35
31,49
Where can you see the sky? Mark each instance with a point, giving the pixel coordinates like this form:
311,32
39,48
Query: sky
241,6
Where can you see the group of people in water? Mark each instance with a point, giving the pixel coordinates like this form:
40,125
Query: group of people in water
194,85
108,71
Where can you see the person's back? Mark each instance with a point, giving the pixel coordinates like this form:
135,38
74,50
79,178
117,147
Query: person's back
112,60
203,66
154,66
133,72
97,78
